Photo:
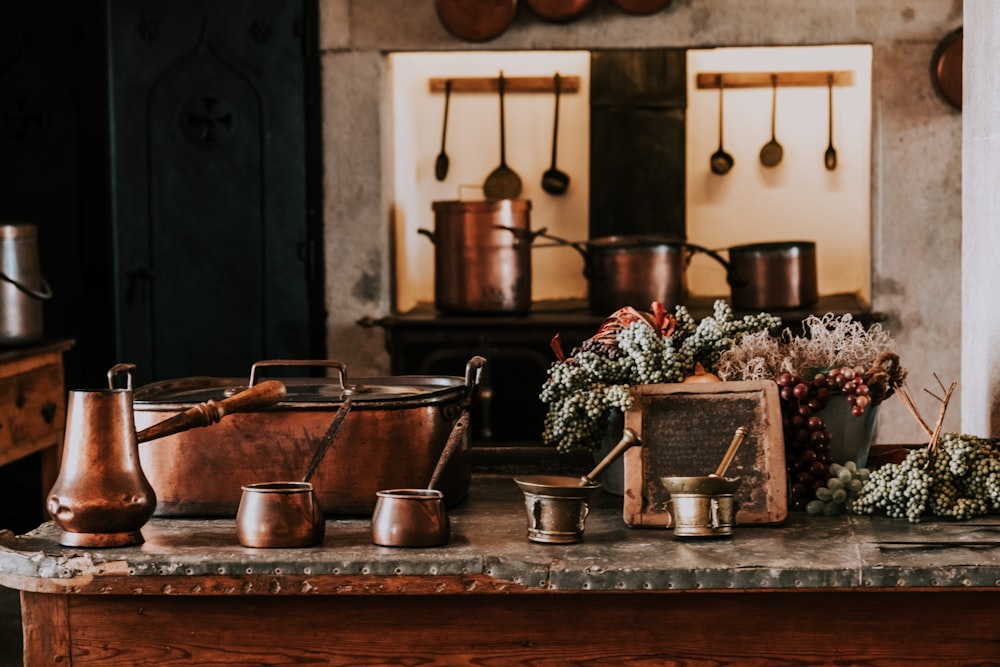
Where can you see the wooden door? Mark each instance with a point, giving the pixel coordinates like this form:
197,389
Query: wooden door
216,239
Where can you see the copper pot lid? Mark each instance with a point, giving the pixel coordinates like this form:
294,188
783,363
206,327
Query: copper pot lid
476,20
305,392
946,68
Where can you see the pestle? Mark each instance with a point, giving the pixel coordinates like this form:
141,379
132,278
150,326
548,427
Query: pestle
731,452
629,438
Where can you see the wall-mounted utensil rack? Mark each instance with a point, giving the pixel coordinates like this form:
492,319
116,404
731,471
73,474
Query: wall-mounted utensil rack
512,84
767,79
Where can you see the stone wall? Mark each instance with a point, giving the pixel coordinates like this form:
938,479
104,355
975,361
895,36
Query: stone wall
916,152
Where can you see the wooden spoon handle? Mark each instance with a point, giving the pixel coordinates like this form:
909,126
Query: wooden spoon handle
257,397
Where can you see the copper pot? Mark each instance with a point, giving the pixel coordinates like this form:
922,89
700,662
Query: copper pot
636,270
410,518
774,275
482,256
393,437
279,515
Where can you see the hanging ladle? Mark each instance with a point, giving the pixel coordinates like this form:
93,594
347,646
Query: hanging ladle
441,163
830,157
503,182
554,181
721,161
770,154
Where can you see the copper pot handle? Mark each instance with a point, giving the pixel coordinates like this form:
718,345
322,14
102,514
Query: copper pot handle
327,363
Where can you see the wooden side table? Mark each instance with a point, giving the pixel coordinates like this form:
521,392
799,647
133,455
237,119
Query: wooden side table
33,405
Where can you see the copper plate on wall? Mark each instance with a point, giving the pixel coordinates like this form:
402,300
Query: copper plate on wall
946,68
641,7
476,20
558,11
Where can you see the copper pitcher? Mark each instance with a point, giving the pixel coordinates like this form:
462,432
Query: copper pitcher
101,498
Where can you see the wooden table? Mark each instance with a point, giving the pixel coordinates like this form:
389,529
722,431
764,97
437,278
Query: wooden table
842,590
33,403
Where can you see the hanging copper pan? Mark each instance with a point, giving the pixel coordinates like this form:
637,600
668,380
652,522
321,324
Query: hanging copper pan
946,68
476,20
558,11
642,7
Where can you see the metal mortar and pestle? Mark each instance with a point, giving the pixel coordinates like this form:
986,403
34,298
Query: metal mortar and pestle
558,505
705,506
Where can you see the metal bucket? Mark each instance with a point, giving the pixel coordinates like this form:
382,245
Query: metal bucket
22,287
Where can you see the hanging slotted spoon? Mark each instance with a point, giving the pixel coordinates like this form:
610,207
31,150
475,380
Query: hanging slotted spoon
503,182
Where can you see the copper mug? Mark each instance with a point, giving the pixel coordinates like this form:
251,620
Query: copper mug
410,518
279,514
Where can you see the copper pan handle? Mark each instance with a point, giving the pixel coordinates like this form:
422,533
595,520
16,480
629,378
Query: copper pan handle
257,397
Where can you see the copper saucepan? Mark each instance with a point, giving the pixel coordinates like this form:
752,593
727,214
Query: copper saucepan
417,517
287,514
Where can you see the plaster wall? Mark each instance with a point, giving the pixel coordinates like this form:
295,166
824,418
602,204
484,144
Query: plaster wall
916,235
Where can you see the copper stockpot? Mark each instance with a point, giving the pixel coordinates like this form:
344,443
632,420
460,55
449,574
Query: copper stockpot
774,275
482,256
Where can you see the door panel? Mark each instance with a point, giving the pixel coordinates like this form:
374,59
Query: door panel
210,124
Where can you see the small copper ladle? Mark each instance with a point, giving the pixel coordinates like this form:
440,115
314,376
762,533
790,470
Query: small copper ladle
287,514
417,517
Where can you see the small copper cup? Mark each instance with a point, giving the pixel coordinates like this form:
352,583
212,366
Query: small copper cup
279,514
410,518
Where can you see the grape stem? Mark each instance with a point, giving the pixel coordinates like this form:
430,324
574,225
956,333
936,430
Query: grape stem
903,390
932,445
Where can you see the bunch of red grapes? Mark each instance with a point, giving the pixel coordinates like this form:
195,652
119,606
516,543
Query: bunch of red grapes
807,439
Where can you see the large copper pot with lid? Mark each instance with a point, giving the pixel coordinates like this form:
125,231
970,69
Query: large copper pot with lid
392,438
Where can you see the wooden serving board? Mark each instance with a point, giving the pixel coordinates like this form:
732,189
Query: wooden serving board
686,429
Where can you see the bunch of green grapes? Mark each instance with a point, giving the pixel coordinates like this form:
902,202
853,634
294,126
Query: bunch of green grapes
840,490
960,480
582,391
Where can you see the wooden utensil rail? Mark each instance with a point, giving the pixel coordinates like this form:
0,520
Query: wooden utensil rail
512,84
767,79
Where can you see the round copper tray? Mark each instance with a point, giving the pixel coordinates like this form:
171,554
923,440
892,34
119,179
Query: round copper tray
641,7
946,68
476,20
